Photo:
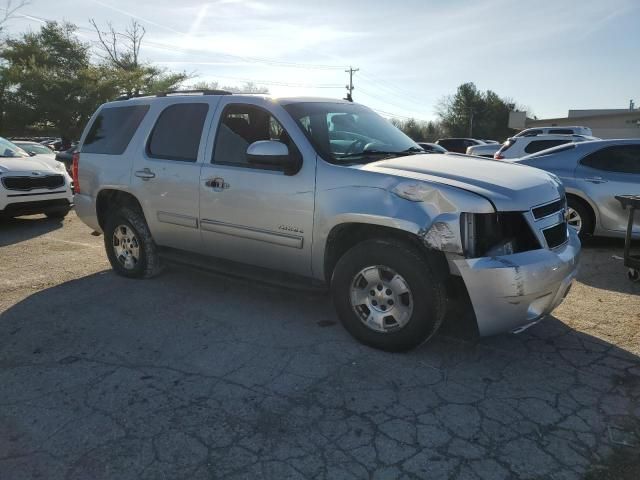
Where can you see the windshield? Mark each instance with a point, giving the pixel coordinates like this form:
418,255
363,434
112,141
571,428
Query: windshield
346,133
34,148
8,149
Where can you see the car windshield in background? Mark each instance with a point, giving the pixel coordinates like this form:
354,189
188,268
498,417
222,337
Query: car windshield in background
35,148
8,149
346,133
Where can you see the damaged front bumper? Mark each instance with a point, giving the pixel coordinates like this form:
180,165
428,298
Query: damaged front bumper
510,292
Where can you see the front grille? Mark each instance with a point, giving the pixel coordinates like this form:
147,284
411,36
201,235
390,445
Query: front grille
548,209
33,183
556,235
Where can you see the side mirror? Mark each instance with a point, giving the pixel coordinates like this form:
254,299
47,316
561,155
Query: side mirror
32,154
269,153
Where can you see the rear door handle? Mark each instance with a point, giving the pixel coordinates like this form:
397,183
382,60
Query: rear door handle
595,180
217,183
145,174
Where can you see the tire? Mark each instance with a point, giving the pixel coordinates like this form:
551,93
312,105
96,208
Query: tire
136,239
419,315
58,214
584,216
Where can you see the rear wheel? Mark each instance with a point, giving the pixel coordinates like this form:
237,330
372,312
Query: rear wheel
129,245
579,217
388,295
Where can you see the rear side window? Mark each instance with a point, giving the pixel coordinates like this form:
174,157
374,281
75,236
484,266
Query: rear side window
113,128
530,133
561,131
176,134
539,145
620,158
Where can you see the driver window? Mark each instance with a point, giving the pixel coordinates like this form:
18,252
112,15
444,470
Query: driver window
240,126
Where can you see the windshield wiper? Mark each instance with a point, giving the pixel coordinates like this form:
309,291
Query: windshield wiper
373,152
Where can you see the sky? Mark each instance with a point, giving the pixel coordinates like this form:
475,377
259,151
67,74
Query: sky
550,56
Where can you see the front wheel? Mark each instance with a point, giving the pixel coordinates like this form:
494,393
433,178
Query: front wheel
388,295
129,245
579,217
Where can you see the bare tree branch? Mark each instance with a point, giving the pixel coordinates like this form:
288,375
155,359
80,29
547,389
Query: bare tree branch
10,10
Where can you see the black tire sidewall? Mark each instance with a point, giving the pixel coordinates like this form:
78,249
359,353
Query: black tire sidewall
123,217
426,285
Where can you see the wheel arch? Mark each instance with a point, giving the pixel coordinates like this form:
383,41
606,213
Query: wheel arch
345,236
110,198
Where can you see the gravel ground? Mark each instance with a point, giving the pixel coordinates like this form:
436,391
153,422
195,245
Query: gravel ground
195,376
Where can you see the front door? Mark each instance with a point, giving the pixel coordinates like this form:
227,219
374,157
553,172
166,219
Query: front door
250,213
608,172
166,175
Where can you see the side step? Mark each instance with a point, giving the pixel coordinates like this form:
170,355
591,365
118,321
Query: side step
240,270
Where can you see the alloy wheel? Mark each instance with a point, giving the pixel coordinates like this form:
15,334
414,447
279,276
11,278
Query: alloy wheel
126,246
381,298
574,219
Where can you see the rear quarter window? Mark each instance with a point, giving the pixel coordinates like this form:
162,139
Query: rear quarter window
539,145
113,129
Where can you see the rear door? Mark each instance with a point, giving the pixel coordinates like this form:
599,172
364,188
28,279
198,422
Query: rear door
605,173
253,214
166,171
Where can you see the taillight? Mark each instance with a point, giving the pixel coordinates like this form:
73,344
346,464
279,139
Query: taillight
74,172
498,156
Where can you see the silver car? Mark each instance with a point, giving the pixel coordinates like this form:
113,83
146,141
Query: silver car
593,173
324,193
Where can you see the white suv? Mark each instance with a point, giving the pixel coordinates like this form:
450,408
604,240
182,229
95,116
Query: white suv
517,147
532,132
32,184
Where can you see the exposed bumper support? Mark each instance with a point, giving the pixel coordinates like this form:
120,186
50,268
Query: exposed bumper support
512,291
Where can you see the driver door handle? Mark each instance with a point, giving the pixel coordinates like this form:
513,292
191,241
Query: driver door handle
217,183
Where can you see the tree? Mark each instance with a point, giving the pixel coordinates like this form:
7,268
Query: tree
121,54
10,9
473,113
419,131
49,82
249,87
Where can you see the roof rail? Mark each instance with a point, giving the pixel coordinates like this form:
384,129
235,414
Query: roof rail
203,92
175,92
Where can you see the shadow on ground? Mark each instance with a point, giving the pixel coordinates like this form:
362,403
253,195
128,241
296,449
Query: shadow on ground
16,230
197,376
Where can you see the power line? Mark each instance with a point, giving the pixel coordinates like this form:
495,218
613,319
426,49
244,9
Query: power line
174,48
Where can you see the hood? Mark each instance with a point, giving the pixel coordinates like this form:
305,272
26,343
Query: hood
37,163
509,186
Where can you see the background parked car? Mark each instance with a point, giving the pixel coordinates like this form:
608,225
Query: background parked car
517,147
34,148
488,150
593,173
432,147
458,145
532,132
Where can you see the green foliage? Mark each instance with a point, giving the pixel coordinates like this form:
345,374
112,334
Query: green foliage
49,84
48,81
419,131
473,113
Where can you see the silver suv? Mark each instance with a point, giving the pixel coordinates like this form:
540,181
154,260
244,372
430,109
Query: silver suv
326,193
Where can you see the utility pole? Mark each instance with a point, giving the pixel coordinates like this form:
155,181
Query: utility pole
471,123
350,87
